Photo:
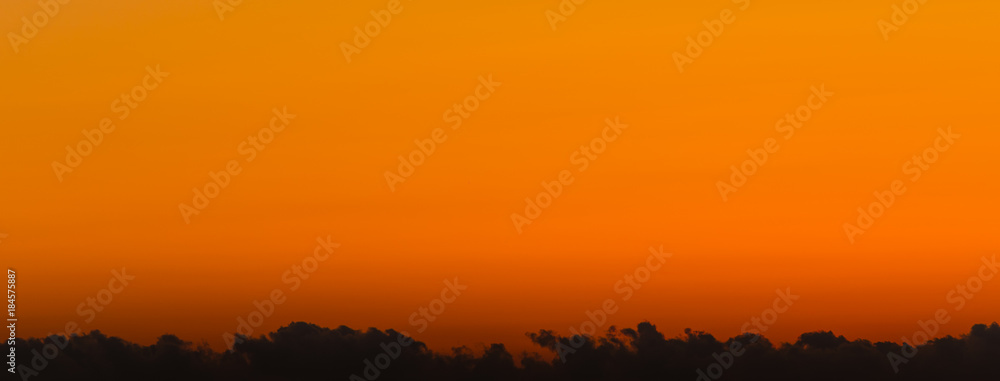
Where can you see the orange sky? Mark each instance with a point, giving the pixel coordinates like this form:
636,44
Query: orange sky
656,183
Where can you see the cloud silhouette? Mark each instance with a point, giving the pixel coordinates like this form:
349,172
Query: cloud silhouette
302,351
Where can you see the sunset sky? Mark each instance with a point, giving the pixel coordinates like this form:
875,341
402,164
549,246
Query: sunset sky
553,88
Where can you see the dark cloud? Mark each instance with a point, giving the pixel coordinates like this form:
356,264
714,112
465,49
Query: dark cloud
302,351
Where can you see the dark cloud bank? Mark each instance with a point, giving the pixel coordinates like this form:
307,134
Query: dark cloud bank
304,351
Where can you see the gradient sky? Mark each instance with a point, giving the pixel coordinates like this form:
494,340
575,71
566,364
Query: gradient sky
655,185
